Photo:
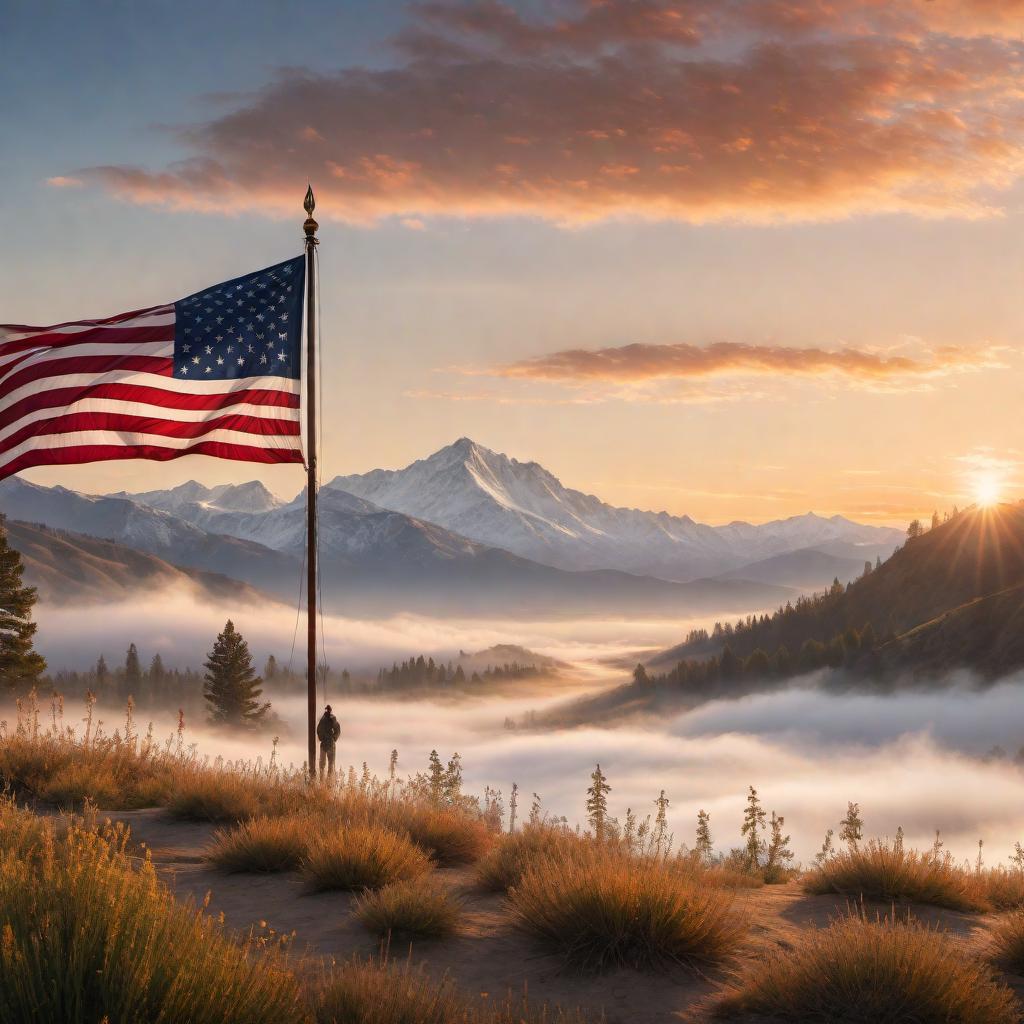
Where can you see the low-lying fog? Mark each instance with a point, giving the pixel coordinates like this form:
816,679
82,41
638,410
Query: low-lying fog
915,760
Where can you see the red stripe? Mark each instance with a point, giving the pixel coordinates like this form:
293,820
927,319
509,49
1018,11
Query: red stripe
148,425
22,328
162,365
64,397
102,453
96,336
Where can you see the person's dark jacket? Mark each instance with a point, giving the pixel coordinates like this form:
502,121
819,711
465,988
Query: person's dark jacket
328,729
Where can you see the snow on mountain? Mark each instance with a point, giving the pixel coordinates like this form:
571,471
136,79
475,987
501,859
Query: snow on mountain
523,508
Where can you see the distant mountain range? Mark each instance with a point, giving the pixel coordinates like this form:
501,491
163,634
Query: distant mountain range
467,529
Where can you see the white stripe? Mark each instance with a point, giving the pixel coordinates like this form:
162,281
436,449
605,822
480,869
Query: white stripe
45,355
153,318
117,438
179,385
113,405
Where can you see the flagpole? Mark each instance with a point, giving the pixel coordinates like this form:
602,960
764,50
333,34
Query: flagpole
309,227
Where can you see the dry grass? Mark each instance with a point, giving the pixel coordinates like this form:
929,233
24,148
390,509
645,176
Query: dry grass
262,844
503,867
87,937
1004,888
377,992
450,836
887,872
362,857
599,908
213,796
875,972
1008,941
415,909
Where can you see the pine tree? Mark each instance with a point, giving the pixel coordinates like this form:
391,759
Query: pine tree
435,777
779,854
270,670
826,850
640,677
452,784
20,665
938,845
852,828
898,841
702,847
132,671
102,672
753,824
232,688
597,803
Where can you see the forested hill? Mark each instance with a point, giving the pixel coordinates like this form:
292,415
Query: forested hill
917,609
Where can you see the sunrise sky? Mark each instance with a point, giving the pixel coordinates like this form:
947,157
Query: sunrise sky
731,258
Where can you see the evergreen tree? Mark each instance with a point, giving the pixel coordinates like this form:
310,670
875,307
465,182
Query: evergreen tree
640,676
20,665
157,672
435,777
702,847
232,688
662,840
102,672
852,828
597,803
270,670
452,784
753,824
132,672
826,850
779,854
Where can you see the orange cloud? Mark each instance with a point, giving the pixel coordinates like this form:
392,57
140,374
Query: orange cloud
823,109
640,363
63,181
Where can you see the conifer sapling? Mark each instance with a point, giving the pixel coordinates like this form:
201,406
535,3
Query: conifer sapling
231,688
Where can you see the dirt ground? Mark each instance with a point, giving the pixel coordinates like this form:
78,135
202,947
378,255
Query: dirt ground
490,955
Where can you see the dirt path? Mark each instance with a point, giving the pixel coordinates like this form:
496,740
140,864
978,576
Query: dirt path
489,955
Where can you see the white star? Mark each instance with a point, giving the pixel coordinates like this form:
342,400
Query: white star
186,348
220,360
241,361
220,337
250,294
259,316
283,337
280,355
259,337
184,369
220,319
195,360
208,370
251,349
209,350
263,358
231,348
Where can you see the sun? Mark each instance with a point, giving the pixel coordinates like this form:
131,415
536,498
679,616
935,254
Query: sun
986,490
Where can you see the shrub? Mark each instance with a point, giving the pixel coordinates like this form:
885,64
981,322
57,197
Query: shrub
880,871
213,796
87,937
503,867
1005,888
418,908
73,783
880,972
449,835
362,857
261,844
377,992
599,908
1008,941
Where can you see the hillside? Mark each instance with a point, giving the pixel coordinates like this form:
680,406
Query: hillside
69,568
948,598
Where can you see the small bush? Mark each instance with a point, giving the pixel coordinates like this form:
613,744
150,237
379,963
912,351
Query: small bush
213,796
880,871
599,908
88,937
74,783
1008,941
362,857
503,867
1005,888
376,992
450,836
864,972
261,844
416,909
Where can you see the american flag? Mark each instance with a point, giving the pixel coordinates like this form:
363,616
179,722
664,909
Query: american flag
217,373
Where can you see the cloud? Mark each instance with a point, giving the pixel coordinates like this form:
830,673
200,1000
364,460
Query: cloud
639,363
745,111
61,181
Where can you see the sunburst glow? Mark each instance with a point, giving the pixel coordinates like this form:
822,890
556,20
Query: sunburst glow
986,489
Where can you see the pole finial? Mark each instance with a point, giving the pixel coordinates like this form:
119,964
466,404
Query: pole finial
310,225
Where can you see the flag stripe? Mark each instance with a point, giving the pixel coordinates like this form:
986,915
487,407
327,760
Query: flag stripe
102,453
120,387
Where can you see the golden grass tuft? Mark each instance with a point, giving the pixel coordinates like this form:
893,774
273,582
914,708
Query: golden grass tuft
502,868
1008,941
449,835
887,872
213,796
415,909
377,992
1005,888
599,908
871,972
262,844
362,857
88,937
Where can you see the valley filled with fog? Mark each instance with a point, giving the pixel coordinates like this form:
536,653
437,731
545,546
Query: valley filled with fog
920,759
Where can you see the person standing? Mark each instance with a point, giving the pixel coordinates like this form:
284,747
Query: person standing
328,730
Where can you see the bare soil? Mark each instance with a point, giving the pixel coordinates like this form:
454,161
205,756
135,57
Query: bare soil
489,955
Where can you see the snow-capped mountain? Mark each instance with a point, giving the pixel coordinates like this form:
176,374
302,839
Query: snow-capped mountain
523,508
